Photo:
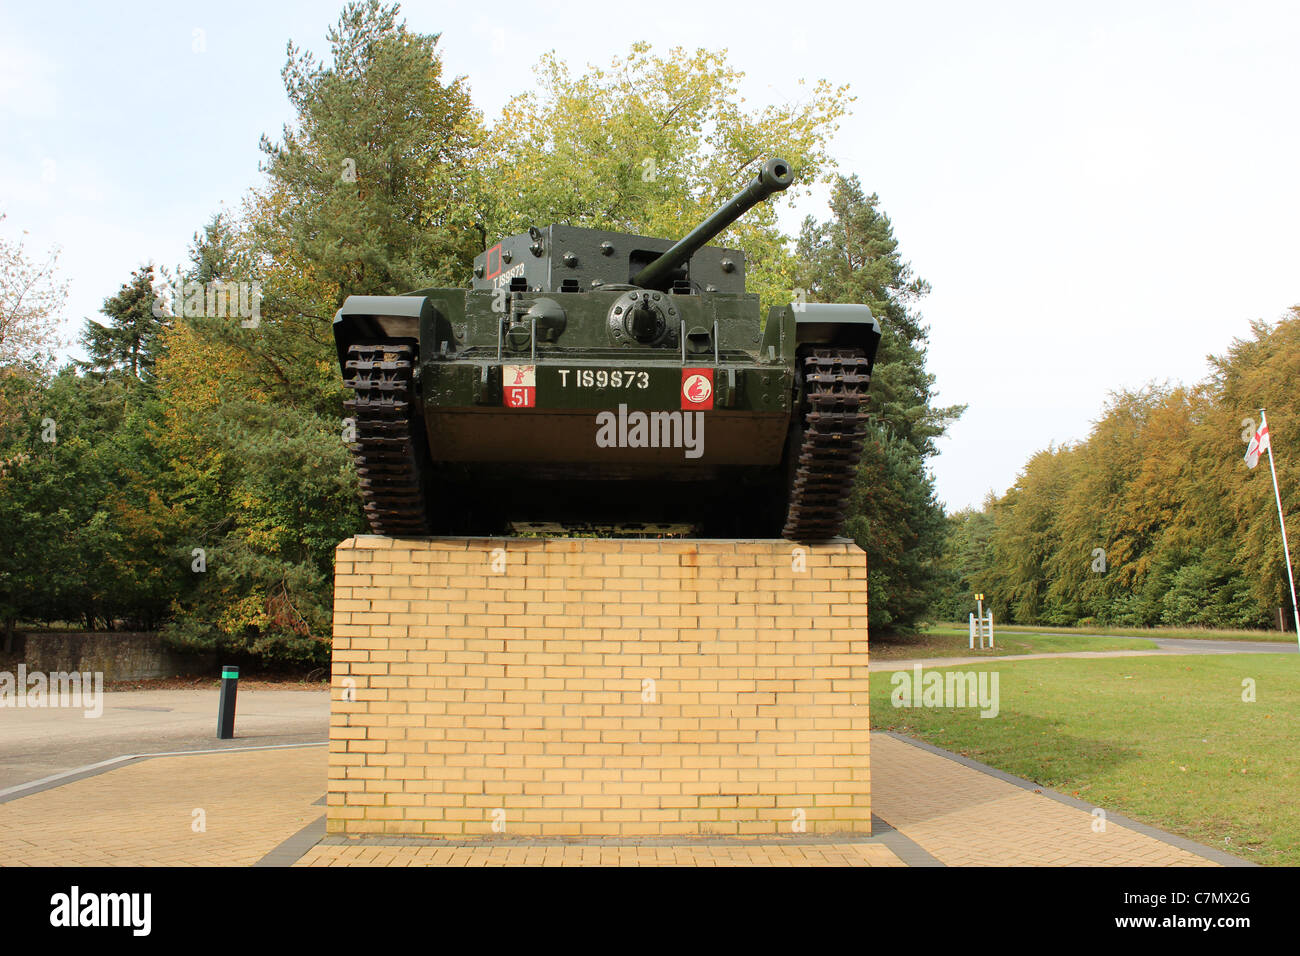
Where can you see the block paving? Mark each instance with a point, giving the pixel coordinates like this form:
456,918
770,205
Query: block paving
142,814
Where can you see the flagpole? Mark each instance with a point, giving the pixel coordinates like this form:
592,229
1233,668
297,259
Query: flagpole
1286,548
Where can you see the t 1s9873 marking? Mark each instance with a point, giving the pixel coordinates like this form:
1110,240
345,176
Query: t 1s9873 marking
603,378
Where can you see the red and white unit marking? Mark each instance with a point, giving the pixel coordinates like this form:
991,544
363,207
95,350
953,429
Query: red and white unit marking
519,386
697,389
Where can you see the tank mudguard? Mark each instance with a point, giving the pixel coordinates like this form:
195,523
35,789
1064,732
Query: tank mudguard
375,318
821,323
425,318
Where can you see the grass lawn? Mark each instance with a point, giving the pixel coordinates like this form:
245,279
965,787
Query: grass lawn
1184,633
947,641
1164,740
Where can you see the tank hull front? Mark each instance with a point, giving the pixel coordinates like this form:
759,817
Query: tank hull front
607,416
618,405
617,442
602,442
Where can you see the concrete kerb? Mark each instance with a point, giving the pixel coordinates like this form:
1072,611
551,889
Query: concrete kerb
903,847
293,849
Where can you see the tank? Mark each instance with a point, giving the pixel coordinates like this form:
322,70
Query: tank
607,382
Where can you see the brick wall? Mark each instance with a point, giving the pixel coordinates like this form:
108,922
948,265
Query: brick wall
598,687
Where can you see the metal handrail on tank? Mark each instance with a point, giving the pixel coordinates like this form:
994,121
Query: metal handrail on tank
774,177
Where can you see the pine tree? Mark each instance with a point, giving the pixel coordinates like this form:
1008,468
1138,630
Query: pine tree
894,515
853,257
371,183
130,343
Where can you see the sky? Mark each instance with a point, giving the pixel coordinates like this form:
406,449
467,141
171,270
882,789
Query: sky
1100,196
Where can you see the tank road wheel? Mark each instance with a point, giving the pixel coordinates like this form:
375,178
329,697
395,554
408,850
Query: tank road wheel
826,442
390,448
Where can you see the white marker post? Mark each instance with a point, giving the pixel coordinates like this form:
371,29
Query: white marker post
1286,548
978,622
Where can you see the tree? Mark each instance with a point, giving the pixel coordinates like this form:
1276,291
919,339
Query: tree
894,515
366,193
261,481
1025,537
31,297
652,145
130,343
965,563
370,184
1154,518
79,499
853,257
1259,371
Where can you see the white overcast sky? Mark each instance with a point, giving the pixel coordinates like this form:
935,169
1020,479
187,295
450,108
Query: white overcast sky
1100,194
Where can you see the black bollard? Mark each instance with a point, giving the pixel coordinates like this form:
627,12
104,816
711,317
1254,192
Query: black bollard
226,707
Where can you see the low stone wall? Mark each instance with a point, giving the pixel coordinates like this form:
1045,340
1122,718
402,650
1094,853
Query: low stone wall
119,655
548,687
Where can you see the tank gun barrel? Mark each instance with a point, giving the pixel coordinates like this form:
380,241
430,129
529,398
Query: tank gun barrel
772,178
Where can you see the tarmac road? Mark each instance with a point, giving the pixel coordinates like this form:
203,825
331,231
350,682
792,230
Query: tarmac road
40,742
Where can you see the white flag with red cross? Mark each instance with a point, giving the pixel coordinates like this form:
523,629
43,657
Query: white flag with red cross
1258,445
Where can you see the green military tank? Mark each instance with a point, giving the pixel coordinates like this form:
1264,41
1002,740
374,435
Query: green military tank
600,380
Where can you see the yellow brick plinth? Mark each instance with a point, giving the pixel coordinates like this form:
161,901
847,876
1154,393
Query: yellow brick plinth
598,687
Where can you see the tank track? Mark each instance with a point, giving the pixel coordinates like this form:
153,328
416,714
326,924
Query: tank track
386,452
834,428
